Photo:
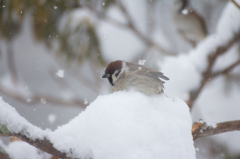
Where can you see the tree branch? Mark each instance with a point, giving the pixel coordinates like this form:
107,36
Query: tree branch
207,74
43,144
236,4
199,129
202,129
226,70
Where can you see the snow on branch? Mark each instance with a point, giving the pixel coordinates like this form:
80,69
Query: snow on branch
199,129
226,70
69,144
43,144
208,74
202,129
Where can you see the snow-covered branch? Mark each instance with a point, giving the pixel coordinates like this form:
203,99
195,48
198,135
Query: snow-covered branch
202,129
207,74
226,70
43,144
73,139
199,129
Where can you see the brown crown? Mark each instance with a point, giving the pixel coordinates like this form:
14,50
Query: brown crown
113,66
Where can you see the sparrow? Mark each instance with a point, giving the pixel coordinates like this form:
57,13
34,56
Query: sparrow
189,24
130,76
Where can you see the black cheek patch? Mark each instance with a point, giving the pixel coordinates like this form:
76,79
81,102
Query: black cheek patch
110,80
117,73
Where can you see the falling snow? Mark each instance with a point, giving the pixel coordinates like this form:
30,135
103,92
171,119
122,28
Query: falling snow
52,118
60,73
185,11
141,62
43,101
85,101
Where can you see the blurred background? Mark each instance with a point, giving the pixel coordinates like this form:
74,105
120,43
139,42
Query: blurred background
53,52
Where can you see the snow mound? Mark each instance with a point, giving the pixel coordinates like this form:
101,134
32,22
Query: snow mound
129,125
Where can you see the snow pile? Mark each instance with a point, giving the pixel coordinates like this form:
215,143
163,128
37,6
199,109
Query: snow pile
185,71
129,125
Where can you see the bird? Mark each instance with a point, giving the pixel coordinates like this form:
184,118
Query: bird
130,76
189,24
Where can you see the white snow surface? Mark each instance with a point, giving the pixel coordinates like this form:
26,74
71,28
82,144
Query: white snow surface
129,125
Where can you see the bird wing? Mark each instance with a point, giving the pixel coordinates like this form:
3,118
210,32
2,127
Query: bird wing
144,71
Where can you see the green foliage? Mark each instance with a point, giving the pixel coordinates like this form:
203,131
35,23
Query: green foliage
4,130
75,43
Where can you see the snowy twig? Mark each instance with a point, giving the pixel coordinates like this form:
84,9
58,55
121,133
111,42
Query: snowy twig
202,129
226,70
236,4
37,99
207,74
43,144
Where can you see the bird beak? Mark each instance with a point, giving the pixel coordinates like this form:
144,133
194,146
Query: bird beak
105,75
